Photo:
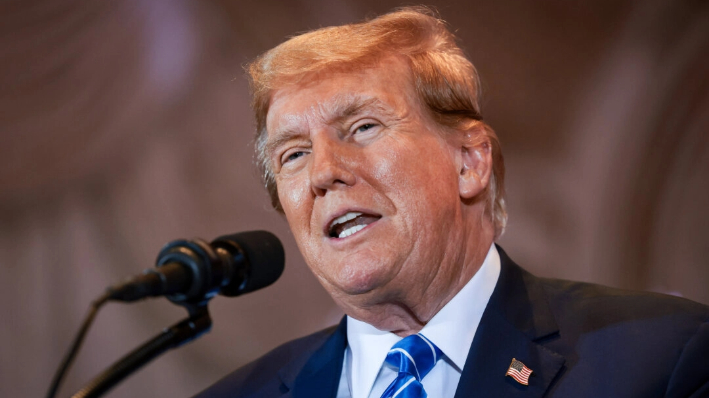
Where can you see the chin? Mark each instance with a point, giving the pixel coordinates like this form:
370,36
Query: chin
356,279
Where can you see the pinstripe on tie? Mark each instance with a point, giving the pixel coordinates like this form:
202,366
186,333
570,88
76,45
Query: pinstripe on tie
415,356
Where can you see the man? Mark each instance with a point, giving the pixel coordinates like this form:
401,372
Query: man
372,144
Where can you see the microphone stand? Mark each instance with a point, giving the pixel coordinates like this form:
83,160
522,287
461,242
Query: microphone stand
198,323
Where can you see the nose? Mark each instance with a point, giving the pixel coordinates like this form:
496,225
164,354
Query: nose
330,166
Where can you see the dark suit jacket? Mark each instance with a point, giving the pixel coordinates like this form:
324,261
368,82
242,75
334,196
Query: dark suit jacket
580,340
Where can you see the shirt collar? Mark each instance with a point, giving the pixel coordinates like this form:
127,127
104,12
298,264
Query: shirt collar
452,329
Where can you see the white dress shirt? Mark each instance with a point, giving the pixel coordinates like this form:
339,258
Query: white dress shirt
452,329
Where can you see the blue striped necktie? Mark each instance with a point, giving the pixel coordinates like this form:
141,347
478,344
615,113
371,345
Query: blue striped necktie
415,356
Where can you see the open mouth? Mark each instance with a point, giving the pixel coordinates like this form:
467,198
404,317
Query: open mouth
350,223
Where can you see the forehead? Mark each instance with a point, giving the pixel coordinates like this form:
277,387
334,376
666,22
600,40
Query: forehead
329,95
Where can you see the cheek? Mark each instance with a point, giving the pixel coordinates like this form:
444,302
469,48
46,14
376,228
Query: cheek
296,203
417,170
422,181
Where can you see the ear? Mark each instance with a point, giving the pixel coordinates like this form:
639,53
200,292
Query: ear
475,163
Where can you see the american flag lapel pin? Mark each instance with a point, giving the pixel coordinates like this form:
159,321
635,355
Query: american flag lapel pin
519,372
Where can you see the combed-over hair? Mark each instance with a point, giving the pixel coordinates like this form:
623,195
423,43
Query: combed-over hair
444,79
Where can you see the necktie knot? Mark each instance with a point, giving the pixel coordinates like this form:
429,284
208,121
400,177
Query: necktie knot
415,356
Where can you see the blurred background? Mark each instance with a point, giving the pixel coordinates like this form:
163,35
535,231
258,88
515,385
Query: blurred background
126,124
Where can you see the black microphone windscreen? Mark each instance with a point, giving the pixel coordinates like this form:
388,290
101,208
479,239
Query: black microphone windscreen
264,254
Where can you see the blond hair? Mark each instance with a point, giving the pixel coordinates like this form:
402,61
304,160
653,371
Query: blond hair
444,79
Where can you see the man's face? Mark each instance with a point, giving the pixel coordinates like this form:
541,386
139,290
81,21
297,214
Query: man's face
367,181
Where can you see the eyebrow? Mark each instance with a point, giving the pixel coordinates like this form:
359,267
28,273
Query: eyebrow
345,107
354,106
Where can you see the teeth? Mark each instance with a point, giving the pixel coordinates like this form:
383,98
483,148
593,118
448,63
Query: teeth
350,231
347,217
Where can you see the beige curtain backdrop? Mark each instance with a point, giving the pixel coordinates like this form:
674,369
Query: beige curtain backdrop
126,124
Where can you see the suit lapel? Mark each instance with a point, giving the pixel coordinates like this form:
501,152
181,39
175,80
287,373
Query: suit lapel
319,377
515,324
516,321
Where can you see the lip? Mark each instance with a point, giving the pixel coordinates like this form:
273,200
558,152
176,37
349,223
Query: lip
348,242
340,213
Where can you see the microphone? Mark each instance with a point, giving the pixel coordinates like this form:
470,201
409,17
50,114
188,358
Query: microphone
194,271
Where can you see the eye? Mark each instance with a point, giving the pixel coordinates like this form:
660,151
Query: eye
364,127
291,155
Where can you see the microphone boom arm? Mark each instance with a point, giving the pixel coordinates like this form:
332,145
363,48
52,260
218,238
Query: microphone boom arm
198,323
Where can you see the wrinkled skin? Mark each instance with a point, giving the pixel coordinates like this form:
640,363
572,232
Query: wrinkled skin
362,141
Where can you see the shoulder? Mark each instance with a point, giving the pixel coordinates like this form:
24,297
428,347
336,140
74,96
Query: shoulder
589,305
659,339
261,377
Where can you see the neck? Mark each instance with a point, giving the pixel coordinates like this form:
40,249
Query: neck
406,309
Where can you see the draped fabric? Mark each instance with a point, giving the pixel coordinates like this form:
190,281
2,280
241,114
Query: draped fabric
126,124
